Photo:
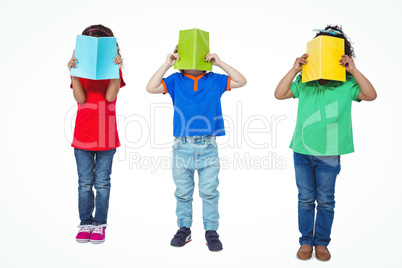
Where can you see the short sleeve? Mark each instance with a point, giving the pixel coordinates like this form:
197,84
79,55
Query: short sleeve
71,81
354,88
295,86
168,84
222,81
122,83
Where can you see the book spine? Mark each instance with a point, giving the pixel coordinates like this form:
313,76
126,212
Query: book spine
195,48
96,57
320,58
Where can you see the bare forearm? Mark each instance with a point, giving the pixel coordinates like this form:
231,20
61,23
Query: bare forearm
238,80
366,88
78,91
113,89
154,83
283,89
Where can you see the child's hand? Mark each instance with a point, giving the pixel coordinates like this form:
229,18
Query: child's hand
118,60
213,58
172,58
347,62
300,62
73,62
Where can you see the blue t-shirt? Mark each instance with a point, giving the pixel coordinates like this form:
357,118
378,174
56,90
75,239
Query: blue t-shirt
197,103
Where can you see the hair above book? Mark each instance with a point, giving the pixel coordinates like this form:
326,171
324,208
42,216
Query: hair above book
348,45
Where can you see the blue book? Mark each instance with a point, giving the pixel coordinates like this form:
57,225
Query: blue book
95,57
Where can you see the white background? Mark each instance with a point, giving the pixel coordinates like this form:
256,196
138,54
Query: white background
38,190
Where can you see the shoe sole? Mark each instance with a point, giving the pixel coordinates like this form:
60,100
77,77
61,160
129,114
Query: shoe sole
322,260
181,245
97,241
214,250
312,255
82,240
303,259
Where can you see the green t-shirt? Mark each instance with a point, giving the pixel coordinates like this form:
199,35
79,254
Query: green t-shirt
324,120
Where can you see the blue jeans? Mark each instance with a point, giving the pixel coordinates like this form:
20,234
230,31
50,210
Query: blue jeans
94,169
189,154
315,179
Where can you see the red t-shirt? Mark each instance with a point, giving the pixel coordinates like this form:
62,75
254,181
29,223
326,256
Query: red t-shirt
95,125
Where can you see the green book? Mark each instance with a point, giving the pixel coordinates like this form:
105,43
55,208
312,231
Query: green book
193,47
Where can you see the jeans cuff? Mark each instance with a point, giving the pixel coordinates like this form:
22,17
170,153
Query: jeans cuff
306,242
321,243
211,226
186,224
79,226
85,223
99,224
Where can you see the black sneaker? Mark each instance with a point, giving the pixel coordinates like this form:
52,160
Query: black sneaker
182,237
213,242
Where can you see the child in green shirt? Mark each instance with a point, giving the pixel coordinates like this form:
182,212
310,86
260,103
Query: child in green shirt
323,132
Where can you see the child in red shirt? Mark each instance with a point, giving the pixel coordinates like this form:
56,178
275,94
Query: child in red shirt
95,142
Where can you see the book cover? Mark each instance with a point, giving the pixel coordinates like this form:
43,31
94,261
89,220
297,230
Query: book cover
323,60
95,57
193,47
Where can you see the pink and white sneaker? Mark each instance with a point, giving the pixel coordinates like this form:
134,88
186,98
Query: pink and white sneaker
98,234
84,233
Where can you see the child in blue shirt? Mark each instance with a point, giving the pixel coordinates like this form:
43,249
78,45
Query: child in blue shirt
197,121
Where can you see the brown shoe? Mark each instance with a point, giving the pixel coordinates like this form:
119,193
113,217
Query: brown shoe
322,253
304,252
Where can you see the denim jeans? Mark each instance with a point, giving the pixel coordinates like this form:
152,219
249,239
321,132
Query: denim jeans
94,169
189,154
315,179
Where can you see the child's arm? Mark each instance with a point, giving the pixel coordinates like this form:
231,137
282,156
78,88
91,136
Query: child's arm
114,84
367,91
113,89
78,91
155,84
283,91
237,79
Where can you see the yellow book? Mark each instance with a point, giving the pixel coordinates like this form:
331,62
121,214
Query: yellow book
323,60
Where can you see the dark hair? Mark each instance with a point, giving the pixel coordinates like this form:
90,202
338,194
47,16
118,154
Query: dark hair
100,31
348,46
